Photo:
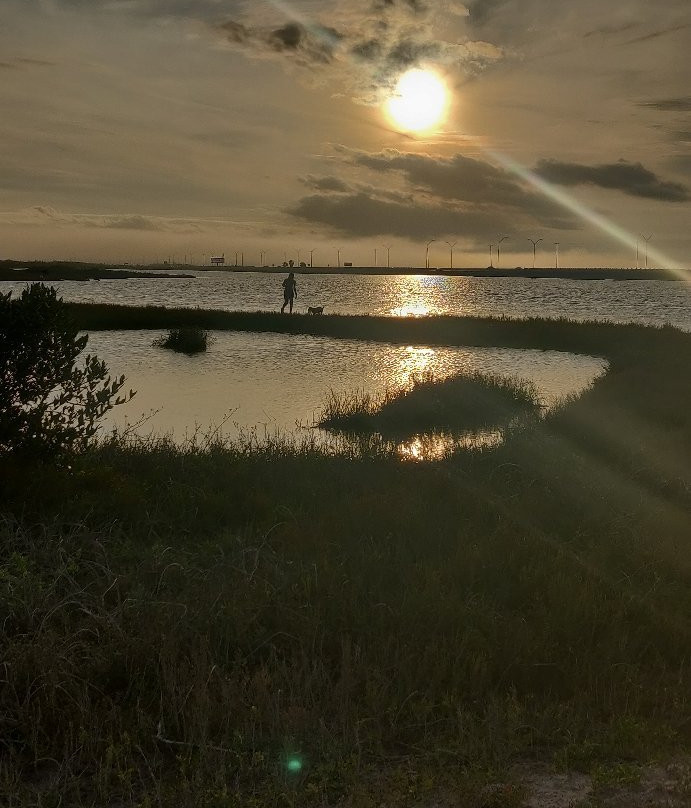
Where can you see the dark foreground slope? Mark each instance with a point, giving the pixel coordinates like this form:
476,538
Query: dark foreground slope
275,626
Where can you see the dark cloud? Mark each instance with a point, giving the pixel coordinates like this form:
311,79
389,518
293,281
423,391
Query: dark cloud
462,179
370,52
191,9
307,46
461,196
23,62
415,6
682,104
481,11
334,184
361,215
629,178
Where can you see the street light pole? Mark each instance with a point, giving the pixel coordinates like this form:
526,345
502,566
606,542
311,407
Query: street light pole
431,241
451,244
647,239
535,243
501,238
638,238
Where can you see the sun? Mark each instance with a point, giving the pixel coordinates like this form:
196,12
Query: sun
419,101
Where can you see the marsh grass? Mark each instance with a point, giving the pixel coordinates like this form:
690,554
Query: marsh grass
452,405
179,620
188,339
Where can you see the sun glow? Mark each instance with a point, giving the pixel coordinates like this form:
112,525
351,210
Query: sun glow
419,102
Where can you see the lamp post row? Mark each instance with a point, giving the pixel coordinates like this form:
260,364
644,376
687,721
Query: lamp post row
451,245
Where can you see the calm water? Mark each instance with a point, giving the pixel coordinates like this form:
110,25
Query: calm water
277,383
652,302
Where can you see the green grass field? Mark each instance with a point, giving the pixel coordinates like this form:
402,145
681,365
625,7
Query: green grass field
243,625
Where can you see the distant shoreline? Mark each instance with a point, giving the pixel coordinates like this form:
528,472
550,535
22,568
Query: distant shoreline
568,273
69,271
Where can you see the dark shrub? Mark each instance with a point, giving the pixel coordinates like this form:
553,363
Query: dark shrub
189,340
47,404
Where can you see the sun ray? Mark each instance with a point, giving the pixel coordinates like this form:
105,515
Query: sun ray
581,210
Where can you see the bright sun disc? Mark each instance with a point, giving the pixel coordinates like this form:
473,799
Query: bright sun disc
419,101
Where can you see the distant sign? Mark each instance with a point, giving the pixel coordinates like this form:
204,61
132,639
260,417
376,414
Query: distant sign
221,259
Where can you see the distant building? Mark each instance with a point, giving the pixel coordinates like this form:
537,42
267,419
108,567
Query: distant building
218,260
348,264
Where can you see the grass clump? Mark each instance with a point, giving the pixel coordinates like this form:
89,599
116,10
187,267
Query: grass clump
188,340
457,404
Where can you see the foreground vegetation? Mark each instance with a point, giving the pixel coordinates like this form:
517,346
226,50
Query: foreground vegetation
453,405
273,625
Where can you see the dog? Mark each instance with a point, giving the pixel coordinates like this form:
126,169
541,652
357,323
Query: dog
315,310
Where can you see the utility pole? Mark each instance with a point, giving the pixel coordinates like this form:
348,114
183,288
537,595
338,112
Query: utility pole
387,247
534,243
647,239
431,241
556,255
451,244
501,238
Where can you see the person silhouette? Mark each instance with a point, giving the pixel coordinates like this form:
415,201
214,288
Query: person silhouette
290,291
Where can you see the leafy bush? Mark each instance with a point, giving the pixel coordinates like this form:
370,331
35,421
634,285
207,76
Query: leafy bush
48,405
189,340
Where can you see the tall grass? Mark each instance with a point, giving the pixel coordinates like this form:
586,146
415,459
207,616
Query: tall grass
456,404
179,620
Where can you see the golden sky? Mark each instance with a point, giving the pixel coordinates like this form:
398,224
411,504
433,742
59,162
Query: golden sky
139,130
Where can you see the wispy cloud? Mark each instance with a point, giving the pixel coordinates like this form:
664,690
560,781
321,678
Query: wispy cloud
40,215
365,48
680,104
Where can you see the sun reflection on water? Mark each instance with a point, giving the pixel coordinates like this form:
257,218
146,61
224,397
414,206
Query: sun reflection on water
440,446
413,292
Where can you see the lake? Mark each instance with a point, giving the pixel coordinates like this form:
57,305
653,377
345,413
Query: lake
265,384
268,384
650,302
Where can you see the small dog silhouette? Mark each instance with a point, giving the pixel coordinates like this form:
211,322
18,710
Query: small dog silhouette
315,310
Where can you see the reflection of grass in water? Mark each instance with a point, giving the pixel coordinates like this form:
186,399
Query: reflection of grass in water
189,340
456,404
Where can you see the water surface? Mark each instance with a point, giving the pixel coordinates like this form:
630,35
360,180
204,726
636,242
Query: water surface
277,383
649,302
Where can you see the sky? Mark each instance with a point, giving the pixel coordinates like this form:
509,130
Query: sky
149,130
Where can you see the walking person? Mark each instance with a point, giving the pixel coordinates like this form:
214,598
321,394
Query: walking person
290,291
